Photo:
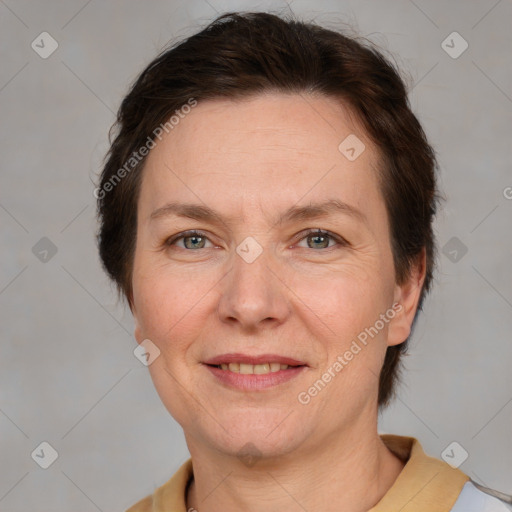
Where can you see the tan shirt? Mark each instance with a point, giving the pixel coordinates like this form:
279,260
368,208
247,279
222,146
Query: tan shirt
424,485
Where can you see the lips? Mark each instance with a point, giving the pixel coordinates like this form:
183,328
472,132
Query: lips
254,373
254,369
246,360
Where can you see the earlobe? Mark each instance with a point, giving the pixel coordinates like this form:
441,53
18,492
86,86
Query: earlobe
137,332
408,296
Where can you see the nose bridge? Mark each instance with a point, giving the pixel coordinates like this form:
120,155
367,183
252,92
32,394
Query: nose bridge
251,291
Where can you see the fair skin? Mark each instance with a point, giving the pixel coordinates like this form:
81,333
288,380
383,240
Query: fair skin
303,297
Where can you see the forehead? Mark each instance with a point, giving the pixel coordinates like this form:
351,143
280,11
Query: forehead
265,150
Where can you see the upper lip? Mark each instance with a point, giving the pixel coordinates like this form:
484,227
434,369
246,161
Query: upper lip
261,359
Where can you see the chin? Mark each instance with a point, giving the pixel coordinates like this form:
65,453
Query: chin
251,449
254,437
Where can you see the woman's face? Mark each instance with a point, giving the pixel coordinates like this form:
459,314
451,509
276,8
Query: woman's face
253,282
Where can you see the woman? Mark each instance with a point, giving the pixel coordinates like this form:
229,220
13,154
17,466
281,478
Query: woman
266,209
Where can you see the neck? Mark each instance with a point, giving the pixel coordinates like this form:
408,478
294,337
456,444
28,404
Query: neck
347,472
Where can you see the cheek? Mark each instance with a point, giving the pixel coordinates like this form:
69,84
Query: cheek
345,299
347,307
169,303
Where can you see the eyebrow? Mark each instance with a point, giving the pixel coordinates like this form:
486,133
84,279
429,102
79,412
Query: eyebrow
293,214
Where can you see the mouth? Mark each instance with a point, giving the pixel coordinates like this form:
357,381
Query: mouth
254,369
245,364
254,372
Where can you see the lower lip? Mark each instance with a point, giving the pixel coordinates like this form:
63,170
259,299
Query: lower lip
252,382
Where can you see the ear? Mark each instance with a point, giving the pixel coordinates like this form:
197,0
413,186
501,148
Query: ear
138,332
139,337
407,296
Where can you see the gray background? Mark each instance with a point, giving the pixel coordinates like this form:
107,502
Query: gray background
68,375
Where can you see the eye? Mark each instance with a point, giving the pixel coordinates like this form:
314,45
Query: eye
191,239
197,239
320,239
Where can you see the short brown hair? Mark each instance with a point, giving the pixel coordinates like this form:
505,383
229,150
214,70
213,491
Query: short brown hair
242,54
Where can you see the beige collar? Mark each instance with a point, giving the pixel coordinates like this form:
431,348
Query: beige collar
424,485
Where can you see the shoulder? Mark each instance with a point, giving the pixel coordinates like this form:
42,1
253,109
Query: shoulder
144,505
476,498
169,496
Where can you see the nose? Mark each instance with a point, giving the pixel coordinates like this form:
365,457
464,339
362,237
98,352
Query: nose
254,294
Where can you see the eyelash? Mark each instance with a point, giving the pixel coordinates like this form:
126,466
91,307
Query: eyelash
309,232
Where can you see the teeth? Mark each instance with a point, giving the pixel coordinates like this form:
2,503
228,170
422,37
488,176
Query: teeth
262,368
257,369
246,368
233,367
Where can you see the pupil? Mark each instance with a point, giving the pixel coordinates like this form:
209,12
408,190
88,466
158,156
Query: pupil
194,240
319,237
